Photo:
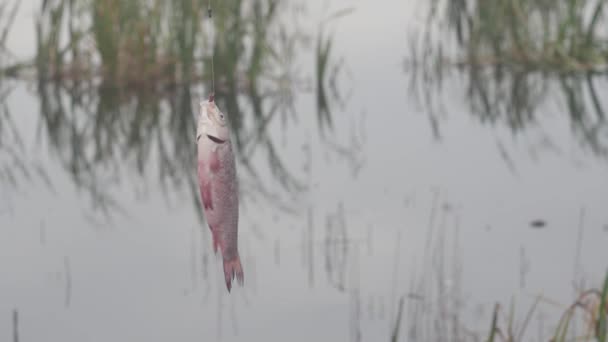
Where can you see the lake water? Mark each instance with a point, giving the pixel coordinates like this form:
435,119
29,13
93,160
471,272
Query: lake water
389,211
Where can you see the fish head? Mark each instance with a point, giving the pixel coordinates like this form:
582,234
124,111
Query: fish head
212,123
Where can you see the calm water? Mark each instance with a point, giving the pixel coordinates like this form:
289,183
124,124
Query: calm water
387,211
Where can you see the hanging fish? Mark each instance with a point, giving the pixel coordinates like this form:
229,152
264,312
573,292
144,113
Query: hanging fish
218,187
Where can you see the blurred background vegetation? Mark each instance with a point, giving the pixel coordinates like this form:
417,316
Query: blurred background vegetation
118,82
512,54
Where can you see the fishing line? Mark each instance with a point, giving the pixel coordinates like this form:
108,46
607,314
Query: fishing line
210,15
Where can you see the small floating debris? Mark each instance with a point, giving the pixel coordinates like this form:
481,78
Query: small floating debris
538,224
415,296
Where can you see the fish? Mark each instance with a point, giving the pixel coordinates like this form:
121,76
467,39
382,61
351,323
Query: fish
217,179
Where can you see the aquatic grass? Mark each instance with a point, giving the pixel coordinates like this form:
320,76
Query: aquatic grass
397,324
435,300
592,303
428,319
9,67
7,21
494,327
48,57
324,72
602,329
589,304
514,56
552,36
322,52
436,309
122,83
139,43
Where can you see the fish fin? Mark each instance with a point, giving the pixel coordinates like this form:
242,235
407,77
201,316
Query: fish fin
206,195
204,184
216,241
214,163
232,269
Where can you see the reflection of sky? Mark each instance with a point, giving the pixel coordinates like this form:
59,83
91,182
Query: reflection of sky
133,281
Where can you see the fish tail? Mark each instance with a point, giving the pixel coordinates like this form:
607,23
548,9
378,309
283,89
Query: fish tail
232,269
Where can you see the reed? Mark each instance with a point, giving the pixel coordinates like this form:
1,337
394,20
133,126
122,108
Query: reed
514,55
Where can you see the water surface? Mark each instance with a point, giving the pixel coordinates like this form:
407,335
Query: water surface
384,209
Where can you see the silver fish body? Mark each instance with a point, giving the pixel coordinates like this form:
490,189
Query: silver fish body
218,187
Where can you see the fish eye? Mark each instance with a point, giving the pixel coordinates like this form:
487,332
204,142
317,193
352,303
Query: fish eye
218,117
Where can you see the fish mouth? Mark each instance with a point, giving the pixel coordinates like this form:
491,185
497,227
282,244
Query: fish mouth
215,139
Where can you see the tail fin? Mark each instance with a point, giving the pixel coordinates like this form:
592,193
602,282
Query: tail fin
233,268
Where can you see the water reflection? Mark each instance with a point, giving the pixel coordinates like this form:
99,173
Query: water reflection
515,58
518,63
117,84
15,325
437,301
15,167
121,91
336,248
116,101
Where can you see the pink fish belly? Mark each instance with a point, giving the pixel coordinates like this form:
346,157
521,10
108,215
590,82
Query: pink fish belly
218,195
